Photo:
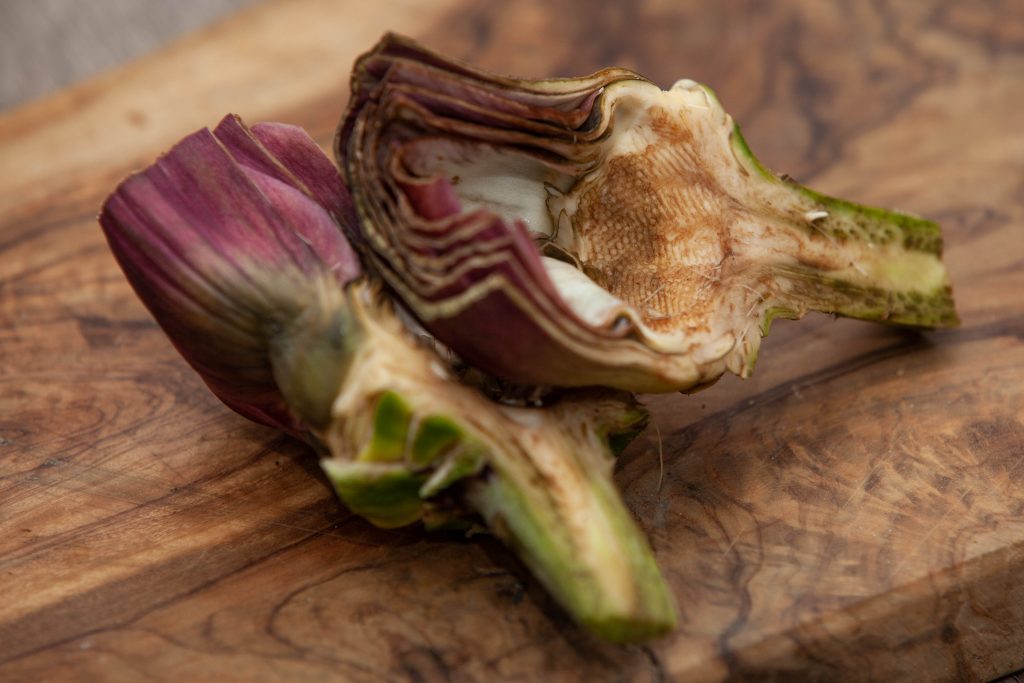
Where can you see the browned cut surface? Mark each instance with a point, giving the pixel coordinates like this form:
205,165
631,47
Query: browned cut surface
653,229
852,512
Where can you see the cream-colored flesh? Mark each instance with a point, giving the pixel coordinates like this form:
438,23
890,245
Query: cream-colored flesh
595,305
687,233
514,187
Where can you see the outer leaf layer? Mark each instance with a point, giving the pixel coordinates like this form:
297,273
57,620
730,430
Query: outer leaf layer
220,238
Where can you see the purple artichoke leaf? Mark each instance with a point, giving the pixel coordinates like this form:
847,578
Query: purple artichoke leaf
221,241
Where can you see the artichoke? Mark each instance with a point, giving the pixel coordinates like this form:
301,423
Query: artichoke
234,241
572,239
625,233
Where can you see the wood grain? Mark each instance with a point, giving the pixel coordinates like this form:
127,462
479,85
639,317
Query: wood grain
853,512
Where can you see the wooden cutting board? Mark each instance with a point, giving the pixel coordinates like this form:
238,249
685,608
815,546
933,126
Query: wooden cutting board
854,512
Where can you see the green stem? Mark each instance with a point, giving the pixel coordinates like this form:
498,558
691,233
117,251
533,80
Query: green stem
559,509
835,256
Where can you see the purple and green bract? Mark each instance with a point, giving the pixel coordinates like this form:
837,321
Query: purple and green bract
199,232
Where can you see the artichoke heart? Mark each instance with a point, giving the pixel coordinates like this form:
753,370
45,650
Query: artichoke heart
624,232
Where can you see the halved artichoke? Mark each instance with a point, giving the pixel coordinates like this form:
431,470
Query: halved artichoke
602,231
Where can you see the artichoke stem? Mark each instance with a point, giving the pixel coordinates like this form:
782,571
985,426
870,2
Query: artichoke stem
890,270
834,256
558,508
